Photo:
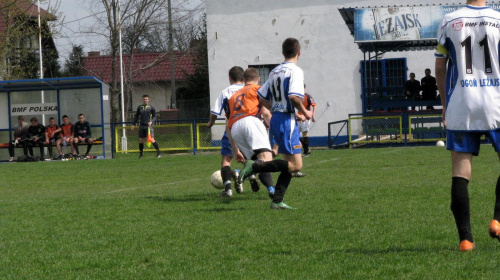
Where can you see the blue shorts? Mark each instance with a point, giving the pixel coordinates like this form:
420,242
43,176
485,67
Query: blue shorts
285,132
470,141
226,146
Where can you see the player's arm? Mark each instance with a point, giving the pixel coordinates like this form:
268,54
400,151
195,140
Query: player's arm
89,130
441,61
211,120
153,116
264,103
297,103
266,115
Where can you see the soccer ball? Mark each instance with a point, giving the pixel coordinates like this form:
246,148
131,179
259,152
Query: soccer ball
216,180
440,143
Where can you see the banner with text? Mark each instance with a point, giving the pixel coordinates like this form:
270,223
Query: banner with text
401,23
33,109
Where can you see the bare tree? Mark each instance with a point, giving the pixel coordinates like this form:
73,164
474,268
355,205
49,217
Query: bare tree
143,29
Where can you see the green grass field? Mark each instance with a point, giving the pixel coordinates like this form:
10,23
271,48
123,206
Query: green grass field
379,213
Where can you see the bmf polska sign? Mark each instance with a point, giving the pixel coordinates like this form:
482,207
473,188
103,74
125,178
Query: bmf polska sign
33,109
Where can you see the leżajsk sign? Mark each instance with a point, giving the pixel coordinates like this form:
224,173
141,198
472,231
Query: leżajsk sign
33,109
401,23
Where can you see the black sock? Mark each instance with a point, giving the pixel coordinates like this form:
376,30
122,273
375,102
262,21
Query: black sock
42,154
141,147
305,144
76,149
89,146
277,165
266,179
460,207
226,175
281,186
155,144
496,214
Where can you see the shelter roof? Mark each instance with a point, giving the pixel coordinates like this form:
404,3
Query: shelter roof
50,84
146,67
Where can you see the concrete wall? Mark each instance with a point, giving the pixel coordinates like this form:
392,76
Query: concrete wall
251,32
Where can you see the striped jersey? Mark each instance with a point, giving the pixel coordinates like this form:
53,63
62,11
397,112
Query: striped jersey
243,103
223,98
285,80
308,102
470,39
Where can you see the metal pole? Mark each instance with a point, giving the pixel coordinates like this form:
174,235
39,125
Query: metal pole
41,55
124,136
171,54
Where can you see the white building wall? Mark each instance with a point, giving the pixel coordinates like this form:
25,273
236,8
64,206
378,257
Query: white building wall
251,32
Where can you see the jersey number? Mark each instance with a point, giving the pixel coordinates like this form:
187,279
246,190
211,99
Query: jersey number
238,102
483,44
276,90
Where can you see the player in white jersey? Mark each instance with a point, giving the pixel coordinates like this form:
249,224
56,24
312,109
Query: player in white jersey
282,93
236,81
468,41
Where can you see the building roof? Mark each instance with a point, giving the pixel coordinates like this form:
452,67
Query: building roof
21,7
147,67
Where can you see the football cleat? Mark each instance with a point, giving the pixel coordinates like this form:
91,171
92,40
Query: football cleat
245,172
466,245
158,155
494,229
238,186
141,156
281,206
254,183
298,174
228,193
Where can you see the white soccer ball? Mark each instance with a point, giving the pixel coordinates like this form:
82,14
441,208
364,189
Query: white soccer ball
440,143
216,180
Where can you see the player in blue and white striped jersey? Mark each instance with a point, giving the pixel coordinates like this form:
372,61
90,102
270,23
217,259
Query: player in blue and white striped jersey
468,44
236,83
283,93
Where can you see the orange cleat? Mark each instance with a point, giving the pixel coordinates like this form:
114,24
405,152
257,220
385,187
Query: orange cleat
494,229
466,245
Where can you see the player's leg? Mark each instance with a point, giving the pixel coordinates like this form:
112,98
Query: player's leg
265,177
226,175
49,147
462,163
89,141
75,144
463,146
12,145
494,229
142,135
58,147
225,171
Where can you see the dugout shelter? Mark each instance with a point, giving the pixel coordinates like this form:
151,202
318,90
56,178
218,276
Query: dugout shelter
55,97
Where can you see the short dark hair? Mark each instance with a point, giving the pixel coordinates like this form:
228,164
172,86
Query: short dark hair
65,116
428,69
80,115
236,74
145,95
34,119
251,74
290,47
51,118
20,118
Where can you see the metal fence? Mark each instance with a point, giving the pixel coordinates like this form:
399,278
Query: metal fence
402,128
189,135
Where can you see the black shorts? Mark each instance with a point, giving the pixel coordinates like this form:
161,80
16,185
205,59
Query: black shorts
143,131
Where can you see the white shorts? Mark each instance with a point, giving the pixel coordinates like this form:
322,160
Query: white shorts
304,126
250,134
